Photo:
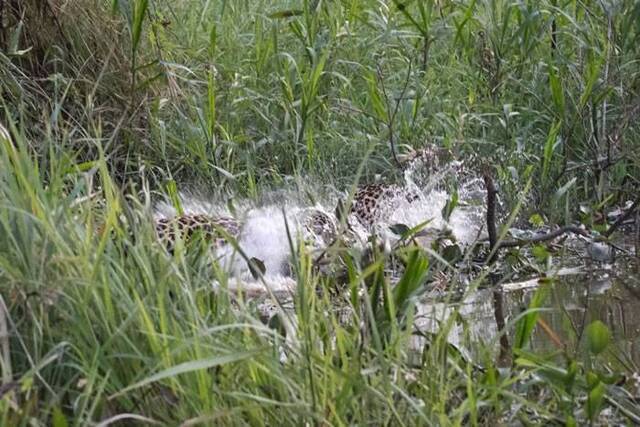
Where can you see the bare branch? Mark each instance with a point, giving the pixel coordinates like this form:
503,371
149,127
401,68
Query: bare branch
622,218
391,116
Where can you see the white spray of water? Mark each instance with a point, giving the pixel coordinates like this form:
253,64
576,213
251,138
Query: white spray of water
264,229
264,236
465,220
267,233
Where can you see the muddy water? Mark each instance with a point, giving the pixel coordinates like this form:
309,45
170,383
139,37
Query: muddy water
610,294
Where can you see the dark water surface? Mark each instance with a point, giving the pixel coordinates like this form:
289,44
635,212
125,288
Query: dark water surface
575,298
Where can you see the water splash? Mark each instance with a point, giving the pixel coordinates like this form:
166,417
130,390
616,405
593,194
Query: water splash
464,223
272,231
266,234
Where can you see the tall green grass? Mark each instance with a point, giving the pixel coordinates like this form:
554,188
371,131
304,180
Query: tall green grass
106,104
249,92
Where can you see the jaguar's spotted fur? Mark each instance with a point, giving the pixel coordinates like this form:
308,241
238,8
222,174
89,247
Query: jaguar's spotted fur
371,201
320,225
188,225
316,224
430,157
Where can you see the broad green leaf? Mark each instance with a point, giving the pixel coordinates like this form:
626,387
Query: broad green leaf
172,190
592,76
451,204
595,399
257,267
277,324
592,379
412,279
598,337
549,147
399,229
526,325
557,93
139,12
572,372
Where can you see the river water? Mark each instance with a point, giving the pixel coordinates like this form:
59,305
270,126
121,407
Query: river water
577,296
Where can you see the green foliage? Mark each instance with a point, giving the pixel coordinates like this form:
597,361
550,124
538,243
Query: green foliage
598,337
106,325
527,323
106,103
250,93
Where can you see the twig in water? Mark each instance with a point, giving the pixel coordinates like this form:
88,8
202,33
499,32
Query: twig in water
495,245
622,218
498,311
491,211
543,237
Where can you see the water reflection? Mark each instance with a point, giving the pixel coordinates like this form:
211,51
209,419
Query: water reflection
611,295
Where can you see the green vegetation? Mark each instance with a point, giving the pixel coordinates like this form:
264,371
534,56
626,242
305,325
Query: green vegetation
107,104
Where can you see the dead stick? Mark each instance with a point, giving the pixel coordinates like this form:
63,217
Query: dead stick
543,237
623,218
498,303
491,212
551,334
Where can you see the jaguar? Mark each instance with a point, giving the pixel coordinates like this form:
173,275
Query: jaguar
372,202
317,226
430,157
187,225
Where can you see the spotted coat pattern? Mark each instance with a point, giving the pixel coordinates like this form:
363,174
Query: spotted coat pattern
370,200
320,225
373,201
186,226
